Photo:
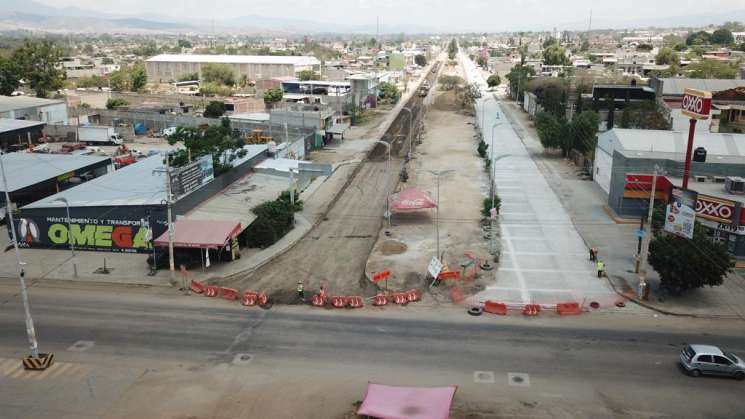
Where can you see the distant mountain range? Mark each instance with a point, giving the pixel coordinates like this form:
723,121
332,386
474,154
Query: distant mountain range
35,16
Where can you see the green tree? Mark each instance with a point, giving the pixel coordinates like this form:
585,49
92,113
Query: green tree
481,61
306,75
551,93
711,69
218,73
184,43
9,77
685,264
390,92
550,130
555,55
733,26
584,131
548,42
698,38
107,60
189,77
667,56
92,81
214,109
518,78
722,37
260,234
219,140
449,82
37,61
272,96
114,103
452,49
493,80
119,80
420,60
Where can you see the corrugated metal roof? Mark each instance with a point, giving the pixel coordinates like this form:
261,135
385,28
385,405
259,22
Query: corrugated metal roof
7,124
9,103
672,142
676,86
26,169
236,59
135,184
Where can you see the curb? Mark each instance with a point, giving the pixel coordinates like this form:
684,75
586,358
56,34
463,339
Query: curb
616,219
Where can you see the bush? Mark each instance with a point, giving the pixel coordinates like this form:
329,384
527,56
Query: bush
404,175
214,109
260,234
274,220
482,148
114,103
272,95
218,73
449,82
214,89
390,92
486,207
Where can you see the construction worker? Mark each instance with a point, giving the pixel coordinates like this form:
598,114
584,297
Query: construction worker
593,254
301,291
601,268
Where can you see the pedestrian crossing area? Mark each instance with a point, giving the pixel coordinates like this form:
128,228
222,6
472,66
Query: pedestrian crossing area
12,368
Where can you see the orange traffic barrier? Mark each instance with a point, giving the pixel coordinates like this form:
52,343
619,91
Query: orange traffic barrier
338,301
495,307
568,308
196,286
229,293
412,295
262,299
318,300
211,291
531,309
249,298
355,301
400,298
380,300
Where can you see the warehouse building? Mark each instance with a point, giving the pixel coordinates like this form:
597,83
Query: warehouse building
51,111
169,67
16,134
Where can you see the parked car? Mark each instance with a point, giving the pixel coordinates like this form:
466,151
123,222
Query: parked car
167,132
707,359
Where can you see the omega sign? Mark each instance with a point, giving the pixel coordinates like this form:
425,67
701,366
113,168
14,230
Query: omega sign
715,209
696,103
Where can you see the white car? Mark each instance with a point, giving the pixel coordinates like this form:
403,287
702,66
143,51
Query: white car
167,132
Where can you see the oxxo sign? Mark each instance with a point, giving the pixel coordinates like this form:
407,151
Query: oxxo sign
696,104
720,210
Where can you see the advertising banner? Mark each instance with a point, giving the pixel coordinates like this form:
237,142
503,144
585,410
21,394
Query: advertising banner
680,216
192,176
696,103
716,209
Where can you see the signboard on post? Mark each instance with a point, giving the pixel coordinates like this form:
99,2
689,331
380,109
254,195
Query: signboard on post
379,276
435,266
680,216
192,176
716,209
696,104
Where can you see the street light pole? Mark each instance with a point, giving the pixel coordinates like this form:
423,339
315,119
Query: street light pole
437,174
411,121
491,162
69,235
30,331
647,238
388,195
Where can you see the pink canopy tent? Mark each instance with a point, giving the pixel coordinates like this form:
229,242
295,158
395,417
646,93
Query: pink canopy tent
410,199
395,402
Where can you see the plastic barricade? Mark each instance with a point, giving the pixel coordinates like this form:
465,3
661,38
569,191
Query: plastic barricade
318,300
400,298
380,300
262,299
196,286
249,298
338,301
355,302
494,307
229,293
566,309
531,309
412,295
211,291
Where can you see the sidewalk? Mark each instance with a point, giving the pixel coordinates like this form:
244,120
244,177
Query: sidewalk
617,241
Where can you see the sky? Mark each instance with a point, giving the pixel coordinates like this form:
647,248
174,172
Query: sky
460,15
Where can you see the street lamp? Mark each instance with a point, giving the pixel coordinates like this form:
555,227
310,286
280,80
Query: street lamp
483,110
30,332
437,174
388,170
491,161
69,235
411,121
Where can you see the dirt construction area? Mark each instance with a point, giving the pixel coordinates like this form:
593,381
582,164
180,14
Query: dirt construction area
405,249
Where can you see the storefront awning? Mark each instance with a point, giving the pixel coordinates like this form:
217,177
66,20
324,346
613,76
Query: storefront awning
200,234
397,402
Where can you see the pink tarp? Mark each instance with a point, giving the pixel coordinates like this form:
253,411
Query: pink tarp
410,199
394,402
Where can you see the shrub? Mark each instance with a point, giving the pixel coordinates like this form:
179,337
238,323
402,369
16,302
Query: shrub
114,103
486,206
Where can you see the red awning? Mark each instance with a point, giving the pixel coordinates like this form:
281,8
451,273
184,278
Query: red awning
410,199
394,402
200,234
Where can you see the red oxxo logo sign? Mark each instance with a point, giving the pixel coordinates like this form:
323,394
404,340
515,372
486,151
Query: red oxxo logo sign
696,103
715,209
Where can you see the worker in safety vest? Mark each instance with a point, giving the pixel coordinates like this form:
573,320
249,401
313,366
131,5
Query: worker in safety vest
601,268
301,291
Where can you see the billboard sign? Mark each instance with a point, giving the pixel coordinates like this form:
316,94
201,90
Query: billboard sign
192,176
716,209
696,103
680,216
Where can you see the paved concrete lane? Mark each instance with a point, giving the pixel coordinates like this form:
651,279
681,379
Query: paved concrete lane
544,260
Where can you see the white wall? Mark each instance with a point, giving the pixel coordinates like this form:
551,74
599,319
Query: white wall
602,169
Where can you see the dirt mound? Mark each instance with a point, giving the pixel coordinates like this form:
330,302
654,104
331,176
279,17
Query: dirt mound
446,101
392,247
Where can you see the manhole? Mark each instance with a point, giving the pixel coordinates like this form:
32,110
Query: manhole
392,247
242,359
483,377
518,379
81,345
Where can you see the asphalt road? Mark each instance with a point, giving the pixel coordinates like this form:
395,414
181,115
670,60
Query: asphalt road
155,353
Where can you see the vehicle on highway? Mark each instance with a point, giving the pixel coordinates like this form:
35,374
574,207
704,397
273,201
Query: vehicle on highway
707,359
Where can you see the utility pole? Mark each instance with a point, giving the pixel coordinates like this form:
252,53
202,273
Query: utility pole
169,205
30,332
437,174
647,239
492,162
